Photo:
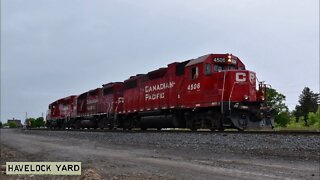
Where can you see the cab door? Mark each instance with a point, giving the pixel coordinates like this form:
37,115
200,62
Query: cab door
191,90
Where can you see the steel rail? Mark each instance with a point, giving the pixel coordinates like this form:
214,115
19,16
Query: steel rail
282,132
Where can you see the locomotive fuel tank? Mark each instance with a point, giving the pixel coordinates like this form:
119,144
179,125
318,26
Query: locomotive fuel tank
157,121
87,123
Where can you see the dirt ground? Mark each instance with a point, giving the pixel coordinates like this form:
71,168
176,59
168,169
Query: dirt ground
113,161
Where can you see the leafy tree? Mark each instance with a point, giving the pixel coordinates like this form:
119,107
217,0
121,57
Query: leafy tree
12,124
39,122
276,100
31,122
282,119
308,102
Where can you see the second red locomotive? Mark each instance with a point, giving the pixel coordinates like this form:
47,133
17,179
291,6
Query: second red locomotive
214,91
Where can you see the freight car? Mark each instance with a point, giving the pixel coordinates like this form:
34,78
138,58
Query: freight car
214,91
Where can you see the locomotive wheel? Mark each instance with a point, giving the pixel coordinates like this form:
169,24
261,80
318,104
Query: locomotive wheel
100,124
159,129
221,129
127,128
191,125
143,129
216,122
76,125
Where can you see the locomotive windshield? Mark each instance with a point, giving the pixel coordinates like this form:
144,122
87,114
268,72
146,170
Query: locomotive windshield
219,67
231,67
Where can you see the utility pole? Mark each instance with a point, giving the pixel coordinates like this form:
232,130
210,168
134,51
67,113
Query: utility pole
26,122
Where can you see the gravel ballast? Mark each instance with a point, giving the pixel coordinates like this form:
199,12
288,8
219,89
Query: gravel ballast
302,146
171,155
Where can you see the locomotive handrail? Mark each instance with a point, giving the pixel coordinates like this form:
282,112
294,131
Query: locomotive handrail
116,111
232,92
224,81
108,109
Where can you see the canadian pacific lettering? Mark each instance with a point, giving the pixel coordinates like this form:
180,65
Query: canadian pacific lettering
152,91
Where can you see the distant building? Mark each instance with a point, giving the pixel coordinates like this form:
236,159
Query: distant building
17,121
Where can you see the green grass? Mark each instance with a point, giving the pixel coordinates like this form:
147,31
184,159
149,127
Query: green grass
298,128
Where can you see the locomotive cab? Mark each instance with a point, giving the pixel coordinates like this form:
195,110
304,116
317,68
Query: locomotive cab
221,85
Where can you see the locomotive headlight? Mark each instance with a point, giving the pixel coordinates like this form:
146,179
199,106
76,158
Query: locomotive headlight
229,58
246,97
262,98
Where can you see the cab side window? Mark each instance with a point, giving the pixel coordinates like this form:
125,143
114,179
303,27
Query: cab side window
194,72
208,69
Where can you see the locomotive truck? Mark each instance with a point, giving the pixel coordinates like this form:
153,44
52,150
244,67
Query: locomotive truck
214,91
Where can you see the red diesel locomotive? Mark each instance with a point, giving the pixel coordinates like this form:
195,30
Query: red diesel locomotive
214,91
61,111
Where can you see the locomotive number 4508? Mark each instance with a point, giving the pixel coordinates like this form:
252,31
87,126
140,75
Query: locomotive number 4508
195,86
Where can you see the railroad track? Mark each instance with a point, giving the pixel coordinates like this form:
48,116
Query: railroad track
282,132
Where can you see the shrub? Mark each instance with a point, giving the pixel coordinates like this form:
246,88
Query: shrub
282,119
314,119
296,123
12,124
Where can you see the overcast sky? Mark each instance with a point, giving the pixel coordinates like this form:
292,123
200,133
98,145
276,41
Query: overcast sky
55,48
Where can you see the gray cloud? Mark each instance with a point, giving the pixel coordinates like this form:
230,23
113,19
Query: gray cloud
52,49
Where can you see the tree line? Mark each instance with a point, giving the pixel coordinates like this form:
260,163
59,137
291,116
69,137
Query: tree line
305,114
29,122
32,122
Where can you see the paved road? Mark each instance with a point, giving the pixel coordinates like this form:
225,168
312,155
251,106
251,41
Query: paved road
114,161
